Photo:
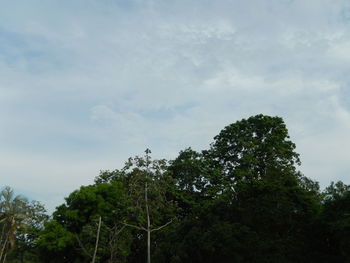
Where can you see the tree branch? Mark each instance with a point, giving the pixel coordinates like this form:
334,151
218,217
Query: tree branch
83,247
119,231
159,228
137,227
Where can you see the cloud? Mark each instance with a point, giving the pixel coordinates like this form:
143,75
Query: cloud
85,85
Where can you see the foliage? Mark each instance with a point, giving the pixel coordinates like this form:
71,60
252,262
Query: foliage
148,186
147,178
241,200
253,148
20,222
244,192
73,228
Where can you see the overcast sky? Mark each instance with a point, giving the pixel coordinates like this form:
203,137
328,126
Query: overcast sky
85,84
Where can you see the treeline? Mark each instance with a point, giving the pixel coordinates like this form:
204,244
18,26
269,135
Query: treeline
241,200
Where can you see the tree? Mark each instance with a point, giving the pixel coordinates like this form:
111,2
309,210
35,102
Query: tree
28,232
244,197
253,148
148,185
242,200
335,224
13,211
108,238
56,244
20,223
190,175
71,234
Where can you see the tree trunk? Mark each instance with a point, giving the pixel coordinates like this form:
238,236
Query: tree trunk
97,239
148,225
148,246
3,248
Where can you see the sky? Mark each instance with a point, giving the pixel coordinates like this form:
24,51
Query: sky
86,84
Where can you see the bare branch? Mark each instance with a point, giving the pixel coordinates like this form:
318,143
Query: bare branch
137,227
83,247
119,231
114,232
159,228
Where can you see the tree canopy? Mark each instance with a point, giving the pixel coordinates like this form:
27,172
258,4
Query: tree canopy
241,200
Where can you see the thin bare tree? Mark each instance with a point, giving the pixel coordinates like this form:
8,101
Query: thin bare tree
147,176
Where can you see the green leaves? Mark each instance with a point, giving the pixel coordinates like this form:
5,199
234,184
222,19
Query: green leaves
253,148
20,222
242,200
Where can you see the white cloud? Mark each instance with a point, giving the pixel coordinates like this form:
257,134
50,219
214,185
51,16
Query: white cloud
86,84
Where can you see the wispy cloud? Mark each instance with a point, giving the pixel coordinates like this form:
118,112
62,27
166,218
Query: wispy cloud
86,84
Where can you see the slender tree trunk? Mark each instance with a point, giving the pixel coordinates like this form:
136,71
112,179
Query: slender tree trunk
148,226
2,234
97,239
148,246
4,248
2,241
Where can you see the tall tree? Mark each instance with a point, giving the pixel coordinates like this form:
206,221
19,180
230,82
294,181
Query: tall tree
71,235
253,148
27,233
148,184
242,200
20,222
250,196
335,225
13,211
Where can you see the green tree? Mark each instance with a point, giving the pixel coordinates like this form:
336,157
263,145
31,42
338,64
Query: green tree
245,199
15,213
190,175
242,200
335,224
56,244
27,233
253,148
148,185
71,235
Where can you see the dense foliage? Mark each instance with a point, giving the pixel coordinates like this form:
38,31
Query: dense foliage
21,222
241,200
